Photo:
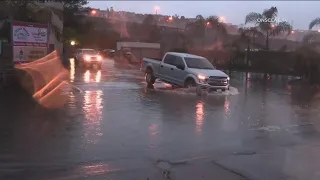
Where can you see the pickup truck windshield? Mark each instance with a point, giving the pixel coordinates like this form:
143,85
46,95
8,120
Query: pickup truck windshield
89,51
198,63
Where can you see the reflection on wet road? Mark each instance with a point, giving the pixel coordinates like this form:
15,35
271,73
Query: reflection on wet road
116,128
200,114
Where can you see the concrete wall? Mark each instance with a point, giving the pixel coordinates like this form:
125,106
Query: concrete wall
139,50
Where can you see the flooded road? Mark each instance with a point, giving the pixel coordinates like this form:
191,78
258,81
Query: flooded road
113,127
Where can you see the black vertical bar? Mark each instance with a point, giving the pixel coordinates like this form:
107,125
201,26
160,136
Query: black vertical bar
11,38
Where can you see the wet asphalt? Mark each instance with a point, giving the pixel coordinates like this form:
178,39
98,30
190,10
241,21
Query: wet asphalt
114,127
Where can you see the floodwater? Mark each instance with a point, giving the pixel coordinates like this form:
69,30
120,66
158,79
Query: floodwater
113,127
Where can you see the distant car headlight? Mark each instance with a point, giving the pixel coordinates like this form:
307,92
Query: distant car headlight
202,78
99,58
87,58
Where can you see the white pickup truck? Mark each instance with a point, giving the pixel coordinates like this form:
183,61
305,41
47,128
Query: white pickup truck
185,70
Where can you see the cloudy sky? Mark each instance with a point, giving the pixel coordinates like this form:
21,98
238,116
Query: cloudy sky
300,13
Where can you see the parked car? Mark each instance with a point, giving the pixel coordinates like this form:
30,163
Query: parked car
108,53
88,58
185,70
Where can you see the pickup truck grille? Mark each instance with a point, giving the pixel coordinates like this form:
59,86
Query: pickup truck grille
217,81
93,58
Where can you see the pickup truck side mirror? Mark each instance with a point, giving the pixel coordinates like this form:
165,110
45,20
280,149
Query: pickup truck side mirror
180,67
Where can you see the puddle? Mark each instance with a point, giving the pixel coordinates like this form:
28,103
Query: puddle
111,85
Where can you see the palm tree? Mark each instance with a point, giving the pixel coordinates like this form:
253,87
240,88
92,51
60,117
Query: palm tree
307,54
35,11
248,35
213,22
268,28
313,23
312,39
199,27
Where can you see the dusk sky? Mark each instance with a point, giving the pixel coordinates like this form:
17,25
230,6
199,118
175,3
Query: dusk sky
300,12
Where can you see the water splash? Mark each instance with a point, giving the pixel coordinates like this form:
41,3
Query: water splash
167,88
281,128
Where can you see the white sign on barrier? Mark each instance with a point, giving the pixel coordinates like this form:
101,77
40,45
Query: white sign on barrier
28,53
30,41
25,34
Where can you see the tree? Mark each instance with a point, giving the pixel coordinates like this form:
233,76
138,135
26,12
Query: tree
266,24
150,28
108,12
313,23
176,17
186,42
308,55
149,20
312,39
154,35
111,12
33,11
199,27
213,22
247,35
36,11
73,19
74,5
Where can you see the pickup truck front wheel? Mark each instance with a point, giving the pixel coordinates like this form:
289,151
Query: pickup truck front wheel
150,78
190,83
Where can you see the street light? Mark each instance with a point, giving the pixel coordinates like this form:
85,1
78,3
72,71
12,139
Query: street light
93,12
73,43
222,19
156,8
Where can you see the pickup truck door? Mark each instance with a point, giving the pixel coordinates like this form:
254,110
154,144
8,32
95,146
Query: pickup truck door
179,74
166,68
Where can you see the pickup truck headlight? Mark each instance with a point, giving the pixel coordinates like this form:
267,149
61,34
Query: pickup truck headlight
202,78
87,58
228,78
